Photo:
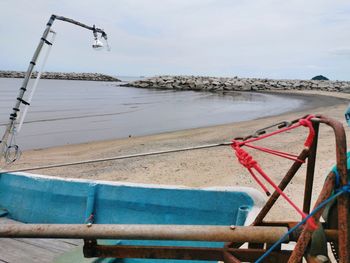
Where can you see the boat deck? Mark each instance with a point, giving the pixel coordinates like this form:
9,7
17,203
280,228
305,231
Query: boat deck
13,250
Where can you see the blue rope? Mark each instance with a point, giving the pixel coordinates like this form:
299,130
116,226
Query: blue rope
342,190
345,188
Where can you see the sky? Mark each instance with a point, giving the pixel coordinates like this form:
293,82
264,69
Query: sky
294,39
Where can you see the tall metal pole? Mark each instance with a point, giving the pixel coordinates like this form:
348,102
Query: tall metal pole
10,127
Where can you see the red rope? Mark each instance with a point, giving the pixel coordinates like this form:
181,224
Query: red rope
306,122
277,153
247,160
259,182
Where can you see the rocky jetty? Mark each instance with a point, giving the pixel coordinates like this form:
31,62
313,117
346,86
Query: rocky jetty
238,84
60,75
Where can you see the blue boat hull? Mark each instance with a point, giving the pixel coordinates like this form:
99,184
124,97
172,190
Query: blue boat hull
42,199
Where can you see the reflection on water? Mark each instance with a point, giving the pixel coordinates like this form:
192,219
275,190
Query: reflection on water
67,112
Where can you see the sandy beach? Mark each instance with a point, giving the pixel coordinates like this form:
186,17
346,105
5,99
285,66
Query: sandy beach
199,168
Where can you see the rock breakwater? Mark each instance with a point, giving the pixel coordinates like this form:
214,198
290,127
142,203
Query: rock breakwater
60,75
238,84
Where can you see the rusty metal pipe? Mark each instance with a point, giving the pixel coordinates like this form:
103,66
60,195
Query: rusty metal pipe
183,253
310,171
306,234
282,185
256,234
343,200
229,258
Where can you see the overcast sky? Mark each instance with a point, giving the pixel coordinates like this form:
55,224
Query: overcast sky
247,38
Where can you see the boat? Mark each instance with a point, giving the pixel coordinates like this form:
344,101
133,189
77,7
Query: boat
39,199
32,198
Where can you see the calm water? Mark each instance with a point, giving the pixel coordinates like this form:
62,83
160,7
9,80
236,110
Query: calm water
68,112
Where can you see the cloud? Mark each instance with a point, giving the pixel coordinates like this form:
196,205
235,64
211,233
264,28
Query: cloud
341,52
206,37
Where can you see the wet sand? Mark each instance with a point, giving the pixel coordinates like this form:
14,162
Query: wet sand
200,168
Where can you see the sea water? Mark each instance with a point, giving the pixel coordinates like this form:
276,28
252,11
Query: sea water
69,112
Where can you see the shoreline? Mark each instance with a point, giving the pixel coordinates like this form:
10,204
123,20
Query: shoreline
327,100
199,168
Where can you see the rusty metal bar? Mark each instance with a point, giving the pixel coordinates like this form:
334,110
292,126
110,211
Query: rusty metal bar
310,171
343,200
229,258
306,234
282,185
182,253
156,252
331,234
250,255
256,234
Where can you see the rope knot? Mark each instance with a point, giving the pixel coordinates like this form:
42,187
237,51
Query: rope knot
244,158
306,122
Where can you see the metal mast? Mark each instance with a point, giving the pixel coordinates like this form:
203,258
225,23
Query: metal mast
10,127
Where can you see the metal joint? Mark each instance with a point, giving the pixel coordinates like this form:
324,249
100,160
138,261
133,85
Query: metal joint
23,101
46,41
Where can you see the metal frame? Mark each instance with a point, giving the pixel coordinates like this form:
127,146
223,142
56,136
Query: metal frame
258,240
303,240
